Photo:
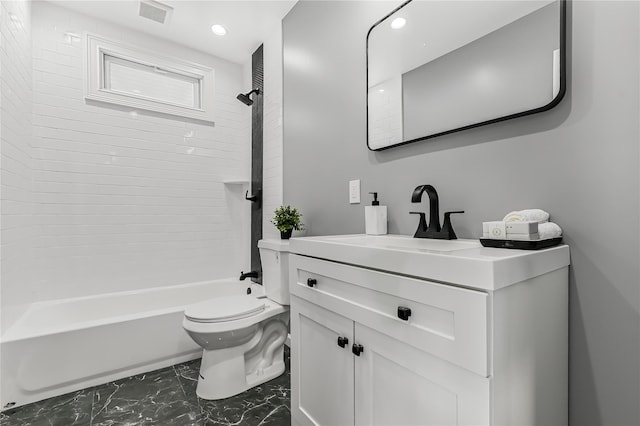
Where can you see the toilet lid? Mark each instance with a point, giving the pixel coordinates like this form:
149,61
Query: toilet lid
222,309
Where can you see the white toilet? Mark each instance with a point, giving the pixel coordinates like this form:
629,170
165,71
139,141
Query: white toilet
243,336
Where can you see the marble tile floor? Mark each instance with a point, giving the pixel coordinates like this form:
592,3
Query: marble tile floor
164,397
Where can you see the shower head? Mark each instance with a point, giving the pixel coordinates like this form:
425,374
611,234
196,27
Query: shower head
245,98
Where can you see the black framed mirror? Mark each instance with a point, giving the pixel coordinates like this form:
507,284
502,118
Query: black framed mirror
439,66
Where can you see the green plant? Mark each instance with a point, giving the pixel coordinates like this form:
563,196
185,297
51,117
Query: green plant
287,217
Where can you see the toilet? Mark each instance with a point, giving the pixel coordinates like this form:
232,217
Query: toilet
243,336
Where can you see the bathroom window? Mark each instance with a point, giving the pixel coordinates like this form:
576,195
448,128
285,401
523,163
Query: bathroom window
135,78
151,82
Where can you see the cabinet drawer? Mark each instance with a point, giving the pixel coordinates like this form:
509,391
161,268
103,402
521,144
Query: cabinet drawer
446,321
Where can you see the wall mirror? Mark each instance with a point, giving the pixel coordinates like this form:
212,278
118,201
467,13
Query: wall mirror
440,66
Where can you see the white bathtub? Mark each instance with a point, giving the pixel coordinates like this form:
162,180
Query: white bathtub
65,345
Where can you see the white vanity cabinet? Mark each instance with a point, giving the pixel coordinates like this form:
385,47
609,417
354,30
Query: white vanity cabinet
373,347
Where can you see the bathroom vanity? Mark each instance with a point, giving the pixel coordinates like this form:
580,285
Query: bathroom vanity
392,330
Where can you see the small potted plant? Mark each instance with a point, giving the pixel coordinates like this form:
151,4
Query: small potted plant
287,219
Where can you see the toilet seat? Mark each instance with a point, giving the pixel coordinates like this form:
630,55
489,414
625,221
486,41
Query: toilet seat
224,309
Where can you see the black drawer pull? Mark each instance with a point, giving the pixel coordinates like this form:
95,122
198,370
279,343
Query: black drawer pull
404,313
311,282
357,349
342,341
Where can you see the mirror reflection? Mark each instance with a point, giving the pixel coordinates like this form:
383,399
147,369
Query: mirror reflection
434,67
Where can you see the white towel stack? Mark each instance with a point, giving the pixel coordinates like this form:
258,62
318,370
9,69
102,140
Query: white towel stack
532,225
528,215
549,230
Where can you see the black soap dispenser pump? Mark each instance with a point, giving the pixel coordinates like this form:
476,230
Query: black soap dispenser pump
375,217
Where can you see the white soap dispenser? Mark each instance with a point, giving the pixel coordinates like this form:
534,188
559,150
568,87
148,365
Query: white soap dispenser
375,217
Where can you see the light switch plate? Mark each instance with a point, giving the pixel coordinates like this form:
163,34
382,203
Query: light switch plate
354,191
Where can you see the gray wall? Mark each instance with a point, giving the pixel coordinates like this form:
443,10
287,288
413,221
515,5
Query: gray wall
578,161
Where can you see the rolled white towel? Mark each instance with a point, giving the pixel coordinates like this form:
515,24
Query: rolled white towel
549,230
528,215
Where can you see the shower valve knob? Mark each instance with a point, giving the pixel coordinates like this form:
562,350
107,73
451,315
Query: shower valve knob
251,198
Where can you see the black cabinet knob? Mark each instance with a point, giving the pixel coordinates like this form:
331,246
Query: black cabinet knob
311,282
357,349
342,341
404,313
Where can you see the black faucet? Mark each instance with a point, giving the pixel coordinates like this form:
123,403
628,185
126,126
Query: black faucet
252,274
433,230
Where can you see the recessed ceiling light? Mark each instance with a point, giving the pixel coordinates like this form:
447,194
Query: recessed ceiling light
398,23
218,30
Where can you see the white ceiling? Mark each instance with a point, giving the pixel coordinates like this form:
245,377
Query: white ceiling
248,23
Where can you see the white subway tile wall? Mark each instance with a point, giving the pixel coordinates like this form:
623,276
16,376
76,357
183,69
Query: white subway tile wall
129,199
16,156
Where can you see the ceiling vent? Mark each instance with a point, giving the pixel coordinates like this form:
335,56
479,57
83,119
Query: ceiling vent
155,11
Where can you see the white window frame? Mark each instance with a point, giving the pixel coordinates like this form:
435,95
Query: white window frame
97,47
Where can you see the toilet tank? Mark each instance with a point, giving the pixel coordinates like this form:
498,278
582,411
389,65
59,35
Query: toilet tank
274,257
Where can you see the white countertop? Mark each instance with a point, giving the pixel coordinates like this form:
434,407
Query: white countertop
462,262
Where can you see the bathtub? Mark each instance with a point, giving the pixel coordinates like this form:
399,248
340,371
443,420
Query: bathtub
66,345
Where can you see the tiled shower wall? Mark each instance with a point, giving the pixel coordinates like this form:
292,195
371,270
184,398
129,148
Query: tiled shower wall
128,199
15,150
272,128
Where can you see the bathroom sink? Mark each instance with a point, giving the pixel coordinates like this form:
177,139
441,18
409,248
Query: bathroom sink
462,262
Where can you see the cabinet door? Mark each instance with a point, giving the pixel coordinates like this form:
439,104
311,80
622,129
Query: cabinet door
397,384
321,370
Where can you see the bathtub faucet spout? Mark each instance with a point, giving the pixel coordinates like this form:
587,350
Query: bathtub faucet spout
252,274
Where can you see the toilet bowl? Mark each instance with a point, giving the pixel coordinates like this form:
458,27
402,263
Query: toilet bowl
243,337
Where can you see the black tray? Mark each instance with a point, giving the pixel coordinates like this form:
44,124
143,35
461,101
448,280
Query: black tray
519,244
